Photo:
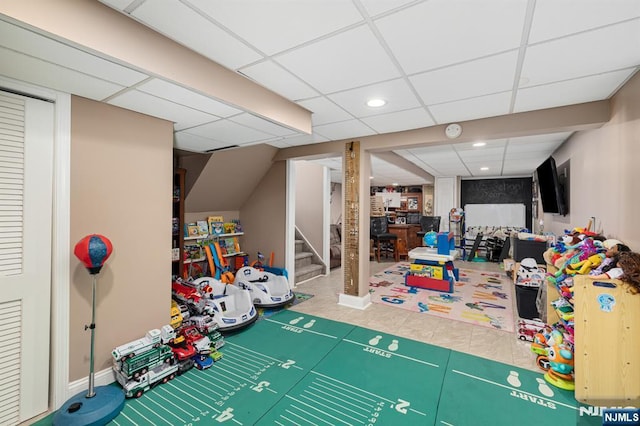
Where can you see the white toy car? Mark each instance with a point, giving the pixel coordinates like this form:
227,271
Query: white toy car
229,306
267,289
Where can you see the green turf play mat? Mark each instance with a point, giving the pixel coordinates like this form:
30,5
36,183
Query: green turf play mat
298,369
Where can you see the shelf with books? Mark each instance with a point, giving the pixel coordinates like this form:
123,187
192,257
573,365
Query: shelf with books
212,236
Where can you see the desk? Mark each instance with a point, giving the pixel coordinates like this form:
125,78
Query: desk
407,237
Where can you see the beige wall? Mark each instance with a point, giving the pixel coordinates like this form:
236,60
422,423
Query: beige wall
336,203
263,216
604,172
121,185
310,186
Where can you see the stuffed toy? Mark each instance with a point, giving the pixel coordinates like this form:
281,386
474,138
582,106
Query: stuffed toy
585,266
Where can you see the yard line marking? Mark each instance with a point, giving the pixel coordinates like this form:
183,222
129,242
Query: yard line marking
331,387
299,416
218,373
445,423
165,409
286,418
244,355
303,329
314,408
213,382
417,412
330,408
366,409
255,352
393,353
333,403
186,402
127,417
243,360
263,355
175,405
309,414
354,387
278,423
142,415
511,388
202,393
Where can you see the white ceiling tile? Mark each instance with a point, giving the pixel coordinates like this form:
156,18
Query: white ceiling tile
355,58
480,77
271,75
533,139
261,124
481,154
117,4
608,49
45,74
324,111
183,117
570,92
436,33
489,144
557,18
32,44
191,142
297,22
304,139
398,121
168,17
514,152
471,109
397,93
343,130
280,143
180,95
229,132
376,7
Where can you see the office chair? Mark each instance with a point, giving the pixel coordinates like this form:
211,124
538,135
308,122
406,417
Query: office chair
428,223
381,236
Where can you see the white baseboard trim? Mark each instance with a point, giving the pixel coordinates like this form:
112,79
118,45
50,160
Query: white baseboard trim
354,301
101,378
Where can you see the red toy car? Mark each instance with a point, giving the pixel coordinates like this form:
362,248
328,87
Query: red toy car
193,337
182,350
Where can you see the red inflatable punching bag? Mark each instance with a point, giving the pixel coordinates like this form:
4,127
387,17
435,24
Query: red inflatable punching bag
93,250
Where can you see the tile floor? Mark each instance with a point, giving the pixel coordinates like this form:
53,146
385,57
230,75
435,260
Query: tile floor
496,345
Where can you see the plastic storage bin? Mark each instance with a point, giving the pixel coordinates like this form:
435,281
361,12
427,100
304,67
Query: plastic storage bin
526,302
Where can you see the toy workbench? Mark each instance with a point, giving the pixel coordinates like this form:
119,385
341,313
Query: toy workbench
433,269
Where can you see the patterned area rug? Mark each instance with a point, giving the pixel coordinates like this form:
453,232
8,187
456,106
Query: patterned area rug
480,298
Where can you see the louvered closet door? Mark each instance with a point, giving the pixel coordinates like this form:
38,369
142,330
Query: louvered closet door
26,167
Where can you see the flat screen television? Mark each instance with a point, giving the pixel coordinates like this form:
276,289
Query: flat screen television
551,191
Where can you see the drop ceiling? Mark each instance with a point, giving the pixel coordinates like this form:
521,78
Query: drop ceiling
432,61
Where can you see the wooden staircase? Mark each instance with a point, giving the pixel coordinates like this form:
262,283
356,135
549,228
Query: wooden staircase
308,264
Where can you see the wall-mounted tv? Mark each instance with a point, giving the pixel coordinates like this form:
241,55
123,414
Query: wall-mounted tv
552,194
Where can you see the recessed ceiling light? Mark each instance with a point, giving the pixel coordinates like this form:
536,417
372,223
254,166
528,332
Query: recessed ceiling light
395,184
479,144
376,103
370,177
484,169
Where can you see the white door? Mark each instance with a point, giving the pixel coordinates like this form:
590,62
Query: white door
26,174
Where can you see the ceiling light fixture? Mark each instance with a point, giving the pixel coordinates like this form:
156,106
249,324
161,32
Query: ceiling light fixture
395,184
370,177
479,144
376,103
484,169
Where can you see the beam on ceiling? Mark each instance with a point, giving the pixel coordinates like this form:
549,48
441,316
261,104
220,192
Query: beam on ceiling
99,29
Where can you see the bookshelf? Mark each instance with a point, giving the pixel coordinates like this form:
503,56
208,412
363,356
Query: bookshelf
177,242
